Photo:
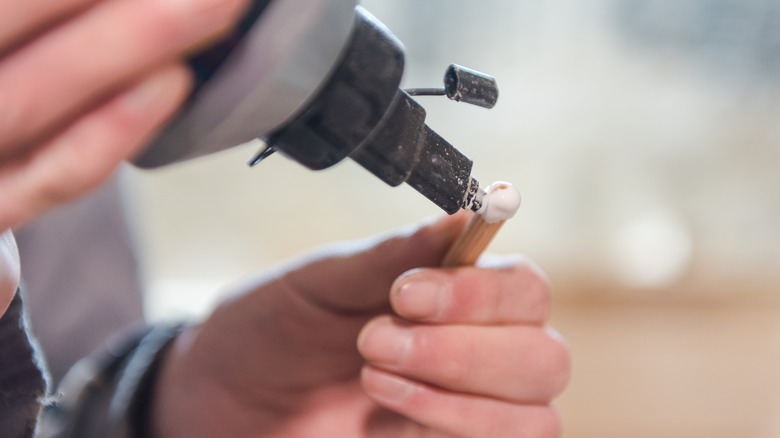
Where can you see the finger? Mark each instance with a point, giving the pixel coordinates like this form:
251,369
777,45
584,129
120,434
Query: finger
356,278
459,415
9,269
339,288
20,19
524,364
69,69
87,152
515,291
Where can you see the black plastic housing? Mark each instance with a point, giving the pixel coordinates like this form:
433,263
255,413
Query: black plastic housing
463,84
361,113
351,104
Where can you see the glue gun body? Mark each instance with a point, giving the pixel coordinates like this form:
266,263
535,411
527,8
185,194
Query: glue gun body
318,81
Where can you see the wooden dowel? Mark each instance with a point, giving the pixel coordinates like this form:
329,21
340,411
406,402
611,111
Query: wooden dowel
471,242
479,231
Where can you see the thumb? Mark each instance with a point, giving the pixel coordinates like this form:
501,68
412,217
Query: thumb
356,277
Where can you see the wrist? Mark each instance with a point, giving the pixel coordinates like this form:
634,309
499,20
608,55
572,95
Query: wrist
188,400
141,378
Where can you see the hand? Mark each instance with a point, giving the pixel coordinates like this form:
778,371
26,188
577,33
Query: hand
9,269
441,352
83,83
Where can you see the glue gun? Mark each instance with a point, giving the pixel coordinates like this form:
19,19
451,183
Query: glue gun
318,81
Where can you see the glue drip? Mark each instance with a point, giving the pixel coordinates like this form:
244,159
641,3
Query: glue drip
501,202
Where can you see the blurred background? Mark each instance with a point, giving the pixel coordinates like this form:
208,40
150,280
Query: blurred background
644,136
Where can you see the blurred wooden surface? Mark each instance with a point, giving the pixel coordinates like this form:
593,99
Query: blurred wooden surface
671,366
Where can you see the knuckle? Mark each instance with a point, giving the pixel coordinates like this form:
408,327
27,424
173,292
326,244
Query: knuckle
74,173
161,22
174,14
549,425
197,18
56,187
541,298
559,367
456,372
10,116
527,268
535,288
452,361
15,119
537,422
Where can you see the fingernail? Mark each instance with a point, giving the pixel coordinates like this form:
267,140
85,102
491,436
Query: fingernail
386,387
386,342
423,300
149,92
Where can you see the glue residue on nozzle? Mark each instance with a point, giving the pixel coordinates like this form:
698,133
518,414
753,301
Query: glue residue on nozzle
501,202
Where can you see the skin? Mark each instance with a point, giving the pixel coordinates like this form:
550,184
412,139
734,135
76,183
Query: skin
355,341
84,84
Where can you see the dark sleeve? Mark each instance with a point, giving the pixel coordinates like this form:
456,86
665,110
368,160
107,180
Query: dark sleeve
107,394
22,386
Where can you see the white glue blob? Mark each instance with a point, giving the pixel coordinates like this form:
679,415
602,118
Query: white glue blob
501,202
